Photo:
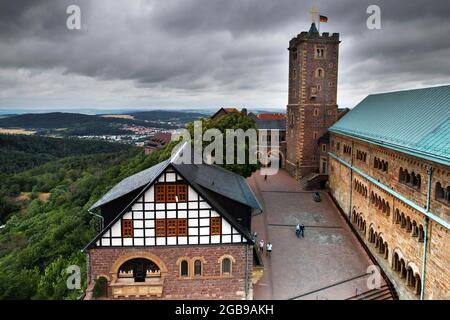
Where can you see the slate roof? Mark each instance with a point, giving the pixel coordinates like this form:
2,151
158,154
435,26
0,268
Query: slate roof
269,121
212,182
212,177
132,183
415,121
279,124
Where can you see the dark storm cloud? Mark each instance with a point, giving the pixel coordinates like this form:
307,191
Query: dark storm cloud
211,51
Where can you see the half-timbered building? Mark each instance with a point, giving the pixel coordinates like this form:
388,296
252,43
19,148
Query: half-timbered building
175,231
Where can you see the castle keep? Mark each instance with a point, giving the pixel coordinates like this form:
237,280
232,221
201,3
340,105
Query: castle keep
312,108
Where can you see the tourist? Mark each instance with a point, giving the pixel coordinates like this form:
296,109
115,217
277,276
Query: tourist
302,230
261,246
269,248
265,177
297,230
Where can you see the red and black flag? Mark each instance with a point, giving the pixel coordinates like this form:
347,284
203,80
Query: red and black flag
323,19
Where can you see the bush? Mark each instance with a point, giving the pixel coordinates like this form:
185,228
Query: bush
99,287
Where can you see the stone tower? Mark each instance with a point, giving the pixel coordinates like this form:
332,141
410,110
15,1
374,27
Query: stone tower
312,108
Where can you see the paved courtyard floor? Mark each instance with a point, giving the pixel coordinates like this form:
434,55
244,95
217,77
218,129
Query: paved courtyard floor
306,267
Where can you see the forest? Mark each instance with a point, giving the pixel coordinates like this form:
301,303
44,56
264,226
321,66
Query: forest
57,180
42,238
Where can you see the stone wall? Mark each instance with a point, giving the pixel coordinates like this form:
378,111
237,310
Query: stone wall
349,190
211,285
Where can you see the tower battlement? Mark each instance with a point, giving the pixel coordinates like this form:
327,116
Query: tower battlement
313,36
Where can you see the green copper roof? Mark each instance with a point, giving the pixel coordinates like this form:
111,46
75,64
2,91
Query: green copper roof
416,122
313,29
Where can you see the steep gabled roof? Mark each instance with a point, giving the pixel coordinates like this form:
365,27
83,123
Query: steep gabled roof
132,183
416,122
214,178
211,182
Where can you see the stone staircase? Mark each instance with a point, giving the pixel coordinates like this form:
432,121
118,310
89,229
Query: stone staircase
383,293
311,181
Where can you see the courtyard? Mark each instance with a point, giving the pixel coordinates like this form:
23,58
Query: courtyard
328,263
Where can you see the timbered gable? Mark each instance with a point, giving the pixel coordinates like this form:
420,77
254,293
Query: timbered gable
171,212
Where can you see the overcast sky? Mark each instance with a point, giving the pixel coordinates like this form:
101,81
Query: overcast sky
207,53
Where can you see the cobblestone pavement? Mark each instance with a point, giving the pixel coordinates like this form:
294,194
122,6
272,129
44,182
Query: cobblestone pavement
328,254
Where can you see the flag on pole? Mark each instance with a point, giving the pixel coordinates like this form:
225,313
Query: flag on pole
323,19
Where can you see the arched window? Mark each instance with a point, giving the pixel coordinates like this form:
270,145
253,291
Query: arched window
385,166
398,217
447,197
226,266
415,229
408,225
421,234
413,179
388,209
409,277
403,220
386,250
184,268
198,268
418,284
419,181
440,194
395,262
320,73
407,177
401,176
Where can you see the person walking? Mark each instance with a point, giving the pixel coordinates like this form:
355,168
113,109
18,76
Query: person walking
297,230
302,230
269,248
265,177
261,246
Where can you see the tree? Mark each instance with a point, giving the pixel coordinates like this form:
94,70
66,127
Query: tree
233,121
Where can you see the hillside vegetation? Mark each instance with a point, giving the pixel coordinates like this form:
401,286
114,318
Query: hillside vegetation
41,239
19,153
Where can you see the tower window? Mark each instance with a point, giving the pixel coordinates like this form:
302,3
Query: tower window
315,135
316,112
294,74
320,53
320,73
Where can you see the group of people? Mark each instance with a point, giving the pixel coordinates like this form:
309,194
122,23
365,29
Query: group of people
300,230
263,245
268,247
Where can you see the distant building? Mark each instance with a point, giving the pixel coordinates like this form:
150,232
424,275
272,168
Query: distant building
176,231
266,123
389,171
224,111
158,141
